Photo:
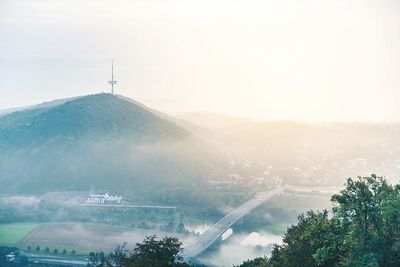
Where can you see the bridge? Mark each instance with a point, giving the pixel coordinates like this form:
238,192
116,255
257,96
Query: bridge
215,231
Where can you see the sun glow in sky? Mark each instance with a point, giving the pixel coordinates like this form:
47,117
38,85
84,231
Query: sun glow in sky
307,60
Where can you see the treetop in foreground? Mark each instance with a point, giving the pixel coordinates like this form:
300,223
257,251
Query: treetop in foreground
150,253
363,230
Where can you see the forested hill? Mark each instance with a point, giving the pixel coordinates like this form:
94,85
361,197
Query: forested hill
104,140
102,115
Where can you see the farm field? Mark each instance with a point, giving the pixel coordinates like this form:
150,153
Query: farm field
12,233
90,236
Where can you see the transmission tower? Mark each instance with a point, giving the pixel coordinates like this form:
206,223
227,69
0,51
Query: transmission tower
112,82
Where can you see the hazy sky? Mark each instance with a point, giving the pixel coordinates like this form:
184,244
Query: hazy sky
297,60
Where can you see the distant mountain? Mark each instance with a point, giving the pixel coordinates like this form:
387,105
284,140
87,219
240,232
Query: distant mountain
304,153
109,141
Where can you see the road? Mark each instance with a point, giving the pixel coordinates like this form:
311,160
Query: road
57,260
128,206
215,231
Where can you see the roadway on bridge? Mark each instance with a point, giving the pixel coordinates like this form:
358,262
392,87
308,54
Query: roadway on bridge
215,231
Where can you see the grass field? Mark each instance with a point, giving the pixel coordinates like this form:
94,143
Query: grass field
12,233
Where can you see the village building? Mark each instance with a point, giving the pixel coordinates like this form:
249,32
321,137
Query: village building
103,199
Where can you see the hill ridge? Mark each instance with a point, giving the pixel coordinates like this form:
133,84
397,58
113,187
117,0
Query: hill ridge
98,139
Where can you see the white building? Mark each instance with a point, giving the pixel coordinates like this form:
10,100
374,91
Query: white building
103,199
10,257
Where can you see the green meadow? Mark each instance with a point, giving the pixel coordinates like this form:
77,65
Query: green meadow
12,233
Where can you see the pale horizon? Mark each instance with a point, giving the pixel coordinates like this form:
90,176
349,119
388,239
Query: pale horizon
311,61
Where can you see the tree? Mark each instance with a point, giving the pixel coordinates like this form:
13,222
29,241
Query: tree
368,208
47,249
97,259
64,251
150,253
313,240
181,228
169,227
363,230
37,248
257,262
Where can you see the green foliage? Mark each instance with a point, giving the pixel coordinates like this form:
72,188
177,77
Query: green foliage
257,262
150,253
311,239
370,214
362,231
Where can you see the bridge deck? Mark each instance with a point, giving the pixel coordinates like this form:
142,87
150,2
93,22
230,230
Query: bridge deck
215,231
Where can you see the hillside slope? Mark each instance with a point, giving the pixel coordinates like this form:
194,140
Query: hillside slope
104,140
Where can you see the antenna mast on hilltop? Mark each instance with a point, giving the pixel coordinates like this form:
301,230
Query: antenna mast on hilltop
112,82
